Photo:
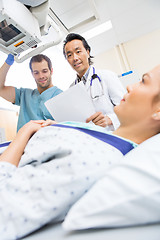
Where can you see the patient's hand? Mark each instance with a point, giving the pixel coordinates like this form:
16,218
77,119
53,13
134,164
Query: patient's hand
31,127
48,122
34,125
16,148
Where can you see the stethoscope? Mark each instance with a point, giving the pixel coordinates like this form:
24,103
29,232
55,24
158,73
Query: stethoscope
94,76
97,96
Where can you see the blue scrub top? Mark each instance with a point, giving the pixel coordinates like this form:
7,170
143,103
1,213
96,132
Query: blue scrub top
31,104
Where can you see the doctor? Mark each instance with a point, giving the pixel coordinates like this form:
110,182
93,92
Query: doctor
103,86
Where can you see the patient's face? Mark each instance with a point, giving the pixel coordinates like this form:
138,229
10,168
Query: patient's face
142,99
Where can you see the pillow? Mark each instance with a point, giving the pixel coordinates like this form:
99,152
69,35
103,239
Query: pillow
129,193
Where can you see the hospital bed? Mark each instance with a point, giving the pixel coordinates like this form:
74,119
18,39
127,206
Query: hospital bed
55,231
138,232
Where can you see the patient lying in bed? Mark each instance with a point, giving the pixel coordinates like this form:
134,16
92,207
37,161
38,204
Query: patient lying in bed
65,170
58,167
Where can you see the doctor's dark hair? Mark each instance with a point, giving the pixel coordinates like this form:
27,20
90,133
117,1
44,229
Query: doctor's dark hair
40,58
75,36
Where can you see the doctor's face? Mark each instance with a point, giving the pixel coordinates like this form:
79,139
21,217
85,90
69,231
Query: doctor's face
77,56
42,75
142,99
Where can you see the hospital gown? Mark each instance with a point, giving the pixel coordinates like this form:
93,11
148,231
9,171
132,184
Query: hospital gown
58,167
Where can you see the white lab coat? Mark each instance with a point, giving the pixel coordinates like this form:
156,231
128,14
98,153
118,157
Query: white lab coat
113,93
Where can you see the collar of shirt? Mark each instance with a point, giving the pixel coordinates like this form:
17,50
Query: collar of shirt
84,77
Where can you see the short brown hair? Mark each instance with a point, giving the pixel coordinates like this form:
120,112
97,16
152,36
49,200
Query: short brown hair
40,58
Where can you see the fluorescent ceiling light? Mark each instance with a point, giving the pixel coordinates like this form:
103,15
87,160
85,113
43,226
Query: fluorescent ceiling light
97,30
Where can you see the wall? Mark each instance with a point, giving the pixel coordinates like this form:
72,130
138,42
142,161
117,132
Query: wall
108,60
141,55
144,53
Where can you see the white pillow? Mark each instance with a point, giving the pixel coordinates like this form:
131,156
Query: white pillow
129,194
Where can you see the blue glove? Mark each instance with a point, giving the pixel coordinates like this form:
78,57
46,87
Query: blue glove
10,59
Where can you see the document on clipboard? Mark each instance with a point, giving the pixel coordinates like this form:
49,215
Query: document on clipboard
72,105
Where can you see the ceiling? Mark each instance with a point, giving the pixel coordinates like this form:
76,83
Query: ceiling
130,18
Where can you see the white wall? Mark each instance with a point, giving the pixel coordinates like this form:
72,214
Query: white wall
142,54
108,60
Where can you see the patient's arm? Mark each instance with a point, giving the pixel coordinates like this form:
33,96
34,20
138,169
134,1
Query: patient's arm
15,150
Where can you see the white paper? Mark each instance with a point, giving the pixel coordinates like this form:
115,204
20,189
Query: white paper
71,105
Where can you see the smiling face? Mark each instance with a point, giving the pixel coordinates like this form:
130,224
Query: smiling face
42,75
77,56
142,100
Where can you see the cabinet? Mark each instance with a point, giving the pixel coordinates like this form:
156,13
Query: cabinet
8,122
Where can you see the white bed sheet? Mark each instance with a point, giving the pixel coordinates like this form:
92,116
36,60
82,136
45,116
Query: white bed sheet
56,232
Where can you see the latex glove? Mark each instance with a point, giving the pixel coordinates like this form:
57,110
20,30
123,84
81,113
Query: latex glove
10,59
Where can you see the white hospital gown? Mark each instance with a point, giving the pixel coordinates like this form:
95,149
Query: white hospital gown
58,167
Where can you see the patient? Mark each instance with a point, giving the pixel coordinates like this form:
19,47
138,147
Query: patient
60,163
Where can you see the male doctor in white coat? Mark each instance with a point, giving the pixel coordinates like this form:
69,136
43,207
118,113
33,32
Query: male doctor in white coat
103,86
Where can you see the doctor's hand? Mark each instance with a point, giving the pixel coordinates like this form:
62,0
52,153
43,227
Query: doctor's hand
10,59
99,119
